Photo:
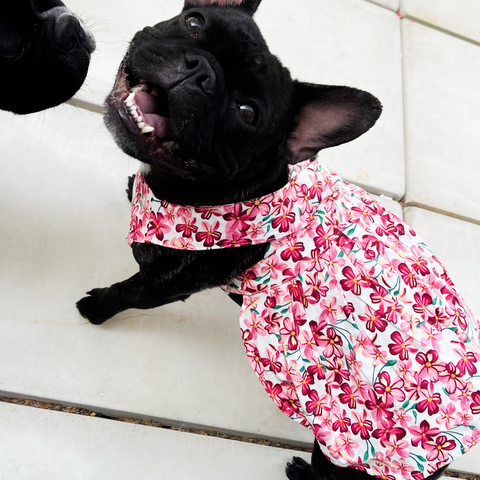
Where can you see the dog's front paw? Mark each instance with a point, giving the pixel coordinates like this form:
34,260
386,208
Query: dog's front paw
299,469
129,189
95,307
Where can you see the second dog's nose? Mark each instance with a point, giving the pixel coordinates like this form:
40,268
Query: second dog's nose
199,72
70,32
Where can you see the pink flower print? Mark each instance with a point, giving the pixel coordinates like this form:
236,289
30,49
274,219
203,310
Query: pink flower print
236,239
407,275
330,202
255,359
446,415
272,265
342,422
136,234
255,324
349,396
401,417
378,356
389,391
316,287
464,396
283,221
439,319
290,332
430,368
187,228
317,369
379,294
422,304
374,319
272,321
333,261
358,465
431,335
321,433
431,400
401,346
344,444
423,434
181,243
273,391
382,460
305,383
351,282
209,234
472,441
399,466
296,290
389,266
362,215
208,212
463,418
438,448
330,310
157,226
236,219
361,342
413,386
271,362
467,360
254,230
419,260
316,403
403,369
475,407
394,310
307,344
259,206
451,376
293,250
380,410
457,315
326,236
396,446
331,342
388,429
336,370
362,426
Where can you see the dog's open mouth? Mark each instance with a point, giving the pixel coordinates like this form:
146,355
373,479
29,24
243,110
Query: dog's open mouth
144,110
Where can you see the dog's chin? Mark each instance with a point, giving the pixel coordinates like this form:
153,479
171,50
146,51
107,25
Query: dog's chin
137,114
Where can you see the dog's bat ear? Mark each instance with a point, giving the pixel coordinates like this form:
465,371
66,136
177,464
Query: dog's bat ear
326,116
249,6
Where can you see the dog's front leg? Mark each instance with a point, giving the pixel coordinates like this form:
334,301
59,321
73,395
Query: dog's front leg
135,292
167,275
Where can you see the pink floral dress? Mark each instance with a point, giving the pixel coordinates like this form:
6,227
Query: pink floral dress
350,322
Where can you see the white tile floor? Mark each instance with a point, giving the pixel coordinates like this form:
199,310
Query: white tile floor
64,217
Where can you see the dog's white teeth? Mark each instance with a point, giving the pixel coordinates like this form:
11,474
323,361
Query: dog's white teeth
147,129
141,125
140,88
129,104
169,145
130,98
139,119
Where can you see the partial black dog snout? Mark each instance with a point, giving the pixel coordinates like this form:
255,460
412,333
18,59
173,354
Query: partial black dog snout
199,72
69,33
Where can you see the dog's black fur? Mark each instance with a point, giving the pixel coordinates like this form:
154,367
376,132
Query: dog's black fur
206,71
44,54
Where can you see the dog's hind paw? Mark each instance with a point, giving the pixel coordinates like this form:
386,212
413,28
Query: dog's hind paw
94,307
129,189
299,469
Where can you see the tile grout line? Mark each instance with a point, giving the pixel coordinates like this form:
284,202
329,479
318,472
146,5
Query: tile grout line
79,411
86,412
440,212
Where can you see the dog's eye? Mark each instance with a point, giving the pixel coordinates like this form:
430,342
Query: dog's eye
194,24
247,113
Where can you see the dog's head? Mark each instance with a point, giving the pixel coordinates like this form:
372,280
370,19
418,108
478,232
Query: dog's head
202,97
44,54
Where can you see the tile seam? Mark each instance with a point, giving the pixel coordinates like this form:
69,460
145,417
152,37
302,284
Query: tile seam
406,16
152,422
441,212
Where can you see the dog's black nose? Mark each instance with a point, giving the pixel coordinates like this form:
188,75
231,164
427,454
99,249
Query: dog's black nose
197,71
69,33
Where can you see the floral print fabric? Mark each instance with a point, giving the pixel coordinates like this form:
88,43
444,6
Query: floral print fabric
350,322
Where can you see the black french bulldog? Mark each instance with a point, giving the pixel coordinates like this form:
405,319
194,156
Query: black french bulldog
44,54
216,119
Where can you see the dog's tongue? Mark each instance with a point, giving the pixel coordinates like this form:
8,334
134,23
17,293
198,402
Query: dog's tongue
151,108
